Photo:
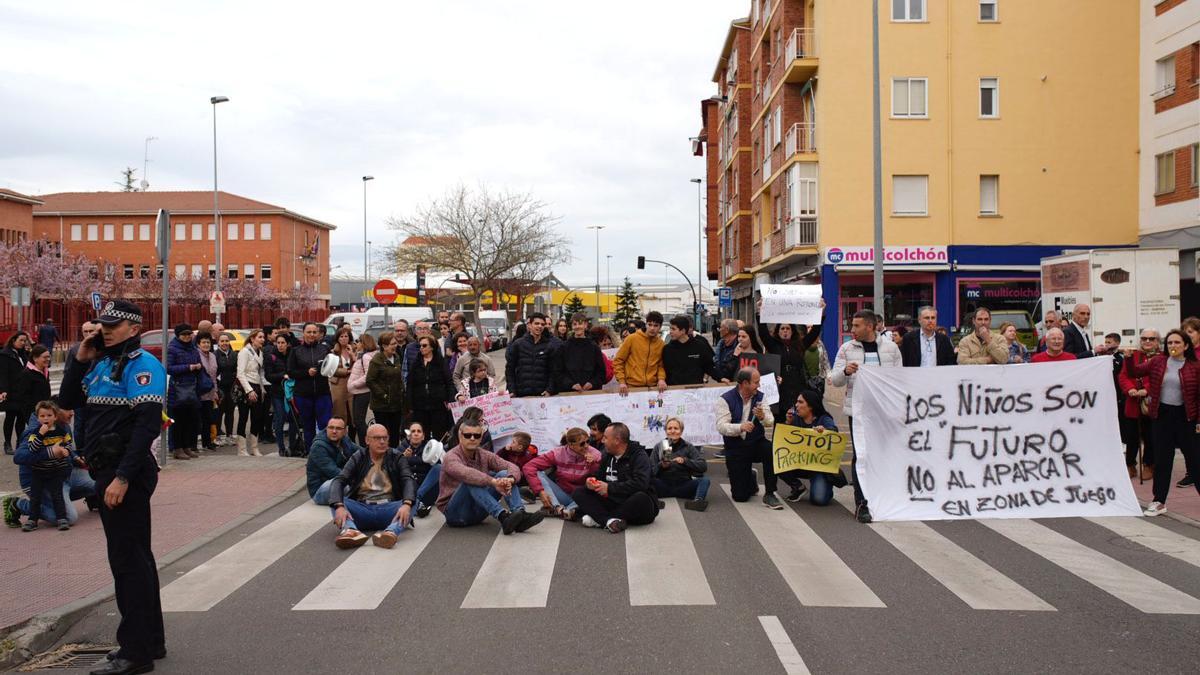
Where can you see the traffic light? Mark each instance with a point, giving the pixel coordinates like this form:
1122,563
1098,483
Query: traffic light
641,262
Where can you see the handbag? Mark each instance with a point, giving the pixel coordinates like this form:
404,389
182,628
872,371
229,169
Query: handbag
204,383
185,392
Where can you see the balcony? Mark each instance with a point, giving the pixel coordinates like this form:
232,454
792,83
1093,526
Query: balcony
800,55
801,138
800,231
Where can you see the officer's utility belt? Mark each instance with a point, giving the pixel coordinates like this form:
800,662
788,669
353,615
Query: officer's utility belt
109,452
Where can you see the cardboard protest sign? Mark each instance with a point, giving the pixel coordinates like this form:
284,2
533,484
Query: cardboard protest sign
764,363
502,419
790,303
1011,441
798,448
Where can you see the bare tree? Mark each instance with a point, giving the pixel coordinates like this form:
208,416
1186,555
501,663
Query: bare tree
485,236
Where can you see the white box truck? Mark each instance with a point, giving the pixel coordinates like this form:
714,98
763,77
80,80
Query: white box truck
1128,289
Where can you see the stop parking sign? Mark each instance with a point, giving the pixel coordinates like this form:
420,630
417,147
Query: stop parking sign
386,291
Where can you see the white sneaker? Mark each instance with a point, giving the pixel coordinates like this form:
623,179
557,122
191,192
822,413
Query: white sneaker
1155,508
588,521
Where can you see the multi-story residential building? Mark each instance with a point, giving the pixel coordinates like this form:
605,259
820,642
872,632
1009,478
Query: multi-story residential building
1169,111
16,222
259,240
998,148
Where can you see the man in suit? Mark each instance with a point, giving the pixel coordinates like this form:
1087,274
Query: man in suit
1078,335
926,347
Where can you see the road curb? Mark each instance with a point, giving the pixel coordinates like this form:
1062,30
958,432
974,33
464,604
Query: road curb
22,641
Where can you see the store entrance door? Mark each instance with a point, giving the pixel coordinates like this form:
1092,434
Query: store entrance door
849,307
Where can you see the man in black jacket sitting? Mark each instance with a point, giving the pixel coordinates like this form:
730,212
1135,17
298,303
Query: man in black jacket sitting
619,494
927,347
374,491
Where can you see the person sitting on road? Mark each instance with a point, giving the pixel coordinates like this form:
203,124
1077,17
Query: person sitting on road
374,492
475,484
470,414
571,465
678,468
519,451
809,413
425,460
78,486
330,451
619,494
596,425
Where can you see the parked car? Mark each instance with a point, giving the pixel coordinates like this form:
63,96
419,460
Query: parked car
152,341
1027,333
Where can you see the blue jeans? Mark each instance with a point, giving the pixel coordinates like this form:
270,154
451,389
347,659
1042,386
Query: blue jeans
472,504
281,415
558,496
372,517
427,492
321,496
820,491
696,488
78,486
314,415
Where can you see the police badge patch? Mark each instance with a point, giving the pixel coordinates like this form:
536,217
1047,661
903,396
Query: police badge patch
142,379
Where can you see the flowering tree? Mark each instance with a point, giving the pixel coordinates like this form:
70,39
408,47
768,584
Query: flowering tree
250,293
299,298
40,265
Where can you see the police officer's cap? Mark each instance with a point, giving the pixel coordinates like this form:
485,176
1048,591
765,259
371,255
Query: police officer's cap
117,311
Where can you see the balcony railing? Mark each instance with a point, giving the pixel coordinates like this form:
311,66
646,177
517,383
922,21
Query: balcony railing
801,44
800,138
800,232
766,247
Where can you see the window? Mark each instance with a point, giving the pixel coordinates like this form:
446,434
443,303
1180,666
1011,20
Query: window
231,271
1195,160
231,231
127,232
766,139
989,97
144,271
180,271
248,271
76,232
158,271
127,271
910,195
197,232
908,10
777,206
989,195
180,232
264,272
1164,77
212,272
777,126
197,271
212,231
248,231
110,232
910,97
93,232
264,231
1164,173
144,232
987,10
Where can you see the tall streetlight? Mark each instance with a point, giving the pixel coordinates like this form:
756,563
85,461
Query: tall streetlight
366,255
699,244
216,202
597,228
608,274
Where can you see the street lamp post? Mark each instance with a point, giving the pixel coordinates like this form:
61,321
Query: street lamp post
699,244
608,274
641,265
216,201
597,228
366,255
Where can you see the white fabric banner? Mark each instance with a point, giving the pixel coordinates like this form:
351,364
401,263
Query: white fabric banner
644,412
791,303
1013,441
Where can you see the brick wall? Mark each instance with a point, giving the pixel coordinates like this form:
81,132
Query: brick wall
1187,69
1166,5
1184,188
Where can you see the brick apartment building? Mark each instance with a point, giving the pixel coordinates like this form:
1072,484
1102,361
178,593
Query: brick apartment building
260,241
16,222
1169,116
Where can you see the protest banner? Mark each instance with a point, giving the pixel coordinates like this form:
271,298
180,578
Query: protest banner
765,364
790,303
645,412
502,418
798,448
1011,441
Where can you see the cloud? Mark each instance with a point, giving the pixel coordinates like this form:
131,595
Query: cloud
587,106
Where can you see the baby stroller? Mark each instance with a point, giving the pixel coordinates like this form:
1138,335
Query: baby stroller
295,444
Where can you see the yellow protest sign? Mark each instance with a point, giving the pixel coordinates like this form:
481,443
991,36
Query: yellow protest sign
798,448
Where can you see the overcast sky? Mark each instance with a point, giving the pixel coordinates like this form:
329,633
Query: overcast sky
589,106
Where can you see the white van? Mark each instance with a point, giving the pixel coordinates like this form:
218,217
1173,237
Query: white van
409,313
495,324
357,321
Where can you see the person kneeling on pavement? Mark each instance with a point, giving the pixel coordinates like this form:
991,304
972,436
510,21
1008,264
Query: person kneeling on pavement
79,485
554,476
425,459
678,467
746,424
620,493
330,451
374,491
809,413
476,483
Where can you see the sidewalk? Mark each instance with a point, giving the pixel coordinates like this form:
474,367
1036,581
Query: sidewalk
46,569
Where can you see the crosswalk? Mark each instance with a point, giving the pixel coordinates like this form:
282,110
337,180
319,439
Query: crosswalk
665,563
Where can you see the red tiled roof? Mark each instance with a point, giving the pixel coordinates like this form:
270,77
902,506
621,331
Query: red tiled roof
18,197
148,203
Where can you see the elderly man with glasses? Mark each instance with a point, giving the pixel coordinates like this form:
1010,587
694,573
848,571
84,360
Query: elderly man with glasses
1135,423
374,491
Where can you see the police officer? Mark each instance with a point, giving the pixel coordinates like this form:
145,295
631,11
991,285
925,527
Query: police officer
121,388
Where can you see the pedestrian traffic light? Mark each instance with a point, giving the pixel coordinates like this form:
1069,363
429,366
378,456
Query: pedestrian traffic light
641,262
